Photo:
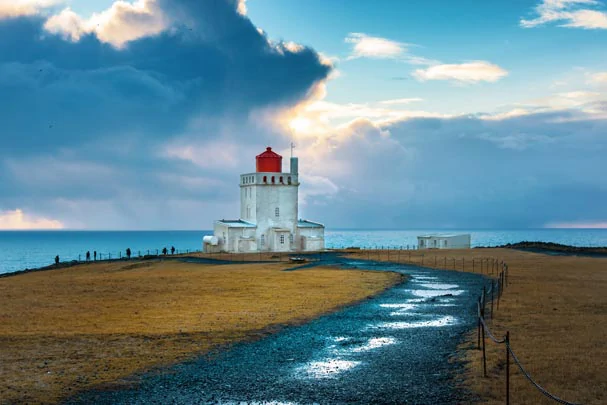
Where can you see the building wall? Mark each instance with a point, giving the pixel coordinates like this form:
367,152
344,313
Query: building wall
311,239
444,242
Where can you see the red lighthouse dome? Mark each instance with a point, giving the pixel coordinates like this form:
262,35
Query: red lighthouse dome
269,161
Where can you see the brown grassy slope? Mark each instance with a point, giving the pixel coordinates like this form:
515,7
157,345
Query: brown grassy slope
555,308
68,329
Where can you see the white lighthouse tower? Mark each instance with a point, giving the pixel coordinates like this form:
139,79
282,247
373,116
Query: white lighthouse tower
268,213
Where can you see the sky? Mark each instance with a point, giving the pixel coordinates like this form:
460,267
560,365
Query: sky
405,114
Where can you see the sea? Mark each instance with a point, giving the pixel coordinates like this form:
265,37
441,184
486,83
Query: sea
20,250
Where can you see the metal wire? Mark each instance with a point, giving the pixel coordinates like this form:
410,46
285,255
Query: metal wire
539,387
488,332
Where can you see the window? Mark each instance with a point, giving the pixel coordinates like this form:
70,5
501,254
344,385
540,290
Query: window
277,212
273,181
289,179
265,179
282,239
281,182
291,238
445,242
263,240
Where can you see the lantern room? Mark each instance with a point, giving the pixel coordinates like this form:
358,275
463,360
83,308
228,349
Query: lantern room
268,161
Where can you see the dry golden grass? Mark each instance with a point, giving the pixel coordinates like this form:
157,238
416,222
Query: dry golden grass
69,329
555,308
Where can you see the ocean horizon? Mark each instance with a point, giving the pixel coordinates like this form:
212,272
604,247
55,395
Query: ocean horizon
28,249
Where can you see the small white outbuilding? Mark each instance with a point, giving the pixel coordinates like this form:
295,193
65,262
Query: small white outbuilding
449,241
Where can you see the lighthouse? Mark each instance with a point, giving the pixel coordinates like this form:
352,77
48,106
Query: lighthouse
269,213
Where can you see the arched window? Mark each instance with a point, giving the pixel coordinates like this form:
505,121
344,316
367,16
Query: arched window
289,180
265,179
277,212
282,239
273,181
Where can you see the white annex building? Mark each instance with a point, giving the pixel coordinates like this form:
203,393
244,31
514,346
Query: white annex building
443,241
268,213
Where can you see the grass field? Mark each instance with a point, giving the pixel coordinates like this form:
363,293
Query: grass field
555,308
68,329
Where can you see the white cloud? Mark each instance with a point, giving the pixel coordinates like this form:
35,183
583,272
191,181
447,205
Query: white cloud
119,24
401,101
571,13
470,72
17,219
374,47
16,8
598,78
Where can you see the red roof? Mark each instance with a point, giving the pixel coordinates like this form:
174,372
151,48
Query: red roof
269,153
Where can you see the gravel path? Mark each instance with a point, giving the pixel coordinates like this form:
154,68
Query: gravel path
392,349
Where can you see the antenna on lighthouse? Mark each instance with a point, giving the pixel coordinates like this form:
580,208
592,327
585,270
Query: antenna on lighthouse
292,147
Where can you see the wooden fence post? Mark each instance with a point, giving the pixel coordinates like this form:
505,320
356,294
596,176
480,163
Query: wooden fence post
483,331
478,326
507,367
492,295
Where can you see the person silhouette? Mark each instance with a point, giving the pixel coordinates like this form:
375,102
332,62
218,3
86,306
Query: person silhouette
88,256
172,250
95,255
128,253
164,251
57,260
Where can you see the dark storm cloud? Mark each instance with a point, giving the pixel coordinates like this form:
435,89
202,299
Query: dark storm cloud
525,171
85,123
213,61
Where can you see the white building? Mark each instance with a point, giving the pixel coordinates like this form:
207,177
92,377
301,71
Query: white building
443,241
268,213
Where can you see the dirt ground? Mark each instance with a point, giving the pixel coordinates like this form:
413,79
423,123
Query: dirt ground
555,308
65,330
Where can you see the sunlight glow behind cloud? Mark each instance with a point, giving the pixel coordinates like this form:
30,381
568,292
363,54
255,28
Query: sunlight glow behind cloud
17,219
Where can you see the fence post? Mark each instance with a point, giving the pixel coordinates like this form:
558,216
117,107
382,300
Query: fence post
492,289
478,326
507,368
463,264
483,331
473,265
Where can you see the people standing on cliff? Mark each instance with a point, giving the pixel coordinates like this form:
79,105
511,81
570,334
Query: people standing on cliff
164,251
57,260
128,253
88,256
95,255
172,250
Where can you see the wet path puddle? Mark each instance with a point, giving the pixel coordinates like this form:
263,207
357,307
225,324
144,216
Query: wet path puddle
394,348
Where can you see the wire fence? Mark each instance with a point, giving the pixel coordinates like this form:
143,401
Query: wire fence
497,289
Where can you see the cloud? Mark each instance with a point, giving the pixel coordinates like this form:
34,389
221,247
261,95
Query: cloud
119,24
141,136
598,78
16,8
17,220
401,101
365,46
470,72
571,14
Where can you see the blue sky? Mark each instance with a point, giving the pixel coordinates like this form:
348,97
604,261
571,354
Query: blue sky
445,114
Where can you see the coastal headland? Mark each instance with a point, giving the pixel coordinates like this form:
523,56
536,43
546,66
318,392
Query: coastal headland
64,330
69,329
555,309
